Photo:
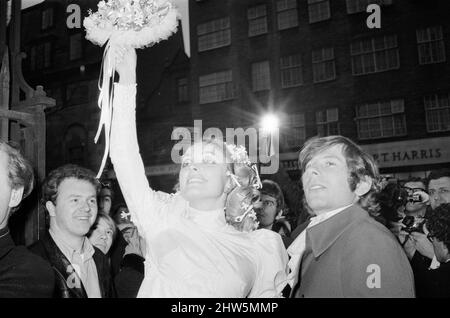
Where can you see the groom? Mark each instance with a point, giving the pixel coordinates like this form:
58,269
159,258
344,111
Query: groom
344,252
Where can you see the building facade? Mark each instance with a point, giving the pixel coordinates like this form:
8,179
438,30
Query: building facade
316,64
324,71
68,66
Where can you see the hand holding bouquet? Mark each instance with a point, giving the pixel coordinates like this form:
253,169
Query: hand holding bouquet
125,23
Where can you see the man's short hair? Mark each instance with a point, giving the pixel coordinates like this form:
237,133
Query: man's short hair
437,174
54,179
359,163
416,179
438,224
20,171
107,185
272,188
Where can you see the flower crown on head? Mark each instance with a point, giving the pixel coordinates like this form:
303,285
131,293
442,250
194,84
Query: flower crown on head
238,154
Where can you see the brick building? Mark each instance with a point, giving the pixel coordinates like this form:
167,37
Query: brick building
324,71
68,66
315,63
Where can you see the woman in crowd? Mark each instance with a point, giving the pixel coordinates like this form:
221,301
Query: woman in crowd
103,233
191,250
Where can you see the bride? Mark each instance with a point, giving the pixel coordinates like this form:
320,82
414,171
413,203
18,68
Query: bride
191,249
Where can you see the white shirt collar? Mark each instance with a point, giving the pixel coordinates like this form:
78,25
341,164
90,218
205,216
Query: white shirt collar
297,247
325,216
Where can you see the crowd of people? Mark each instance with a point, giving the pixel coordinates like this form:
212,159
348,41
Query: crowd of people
224,233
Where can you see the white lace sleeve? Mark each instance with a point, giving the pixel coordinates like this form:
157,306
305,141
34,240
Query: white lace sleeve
144,204
271,276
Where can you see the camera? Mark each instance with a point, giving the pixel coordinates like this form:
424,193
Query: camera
413,224
393,198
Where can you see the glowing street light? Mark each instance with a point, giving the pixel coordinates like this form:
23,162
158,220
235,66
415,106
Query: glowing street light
269,123
269,130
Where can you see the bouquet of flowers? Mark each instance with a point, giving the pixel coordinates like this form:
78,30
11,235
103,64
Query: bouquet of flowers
132,23
137,23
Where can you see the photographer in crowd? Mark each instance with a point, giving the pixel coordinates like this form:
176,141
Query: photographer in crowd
408,208
436,283
439,193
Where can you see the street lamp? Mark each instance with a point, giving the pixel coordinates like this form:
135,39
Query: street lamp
269,131
269,123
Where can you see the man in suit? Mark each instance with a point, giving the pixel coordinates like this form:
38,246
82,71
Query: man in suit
81,270
22,274
436,282
418,247
343,252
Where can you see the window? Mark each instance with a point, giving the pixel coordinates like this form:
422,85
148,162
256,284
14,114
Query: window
40,56
354,6
261,76
291,71
430,43
295,133
381,119
76,46
182,90
437,110
216,87
257,20
214,34
287,15
323,65
47,18
374,55
319,10
327,122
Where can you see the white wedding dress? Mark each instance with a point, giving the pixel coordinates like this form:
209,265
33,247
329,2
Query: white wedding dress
190,253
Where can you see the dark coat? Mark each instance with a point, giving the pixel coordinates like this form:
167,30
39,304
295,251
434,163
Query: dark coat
352,255
47,249
23,274
130,277
437,282
430,283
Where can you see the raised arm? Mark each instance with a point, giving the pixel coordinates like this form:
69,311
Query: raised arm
128,166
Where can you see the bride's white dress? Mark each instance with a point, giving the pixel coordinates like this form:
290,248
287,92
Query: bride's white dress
190,253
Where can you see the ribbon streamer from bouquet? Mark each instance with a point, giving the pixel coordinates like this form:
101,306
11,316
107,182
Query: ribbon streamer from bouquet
158,19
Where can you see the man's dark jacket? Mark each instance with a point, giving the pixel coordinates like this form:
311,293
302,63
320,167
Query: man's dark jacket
65,275
23,274
352,255
430,283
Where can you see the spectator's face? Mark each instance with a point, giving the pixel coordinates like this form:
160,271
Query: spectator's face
104,203
75,209
325,181
9,198
414,206
439,191
203,173
102,236
268,213
5,189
